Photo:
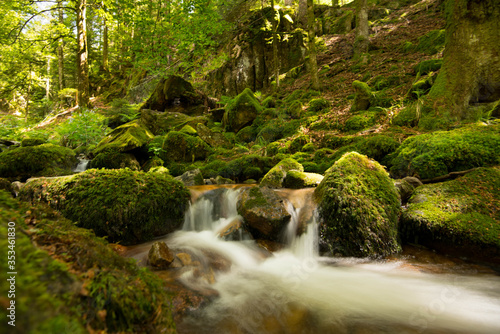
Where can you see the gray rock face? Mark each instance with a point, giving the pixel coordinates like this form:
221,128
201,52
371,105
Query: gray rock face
191,178
160,256
264,213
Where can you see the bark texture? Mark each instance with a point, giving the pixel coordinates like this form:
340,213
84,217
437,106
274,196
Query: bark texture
82,55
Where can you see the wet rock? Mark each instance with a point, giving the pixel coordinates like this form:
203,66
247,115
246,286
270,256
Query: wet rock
222,180
298,180
264,212
184,258
160,256
406,187
234,231
16,187
191,178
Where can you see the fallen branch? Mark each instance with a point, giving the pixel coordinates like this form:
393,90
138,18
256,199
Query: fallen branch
448,176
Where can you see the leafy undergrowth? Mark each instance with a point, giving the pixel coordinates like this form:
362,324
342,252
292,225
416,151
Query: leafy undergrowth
70,281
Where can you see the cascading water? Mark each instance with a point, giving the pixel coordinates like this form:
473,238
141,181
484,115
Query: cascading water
82,165
296,291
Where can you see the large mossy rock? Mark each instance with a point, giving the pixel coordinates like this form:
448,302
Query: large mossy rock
460,217
66,272
274,178
264,213
358,208
124,205
298,180
162,122
212,138
178,146
241,111
125,138
435,154
175,94
19,164
110,159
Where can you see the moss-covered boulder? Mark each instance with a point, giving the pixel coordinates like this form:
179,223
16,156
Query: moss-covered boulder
191,178
42,160
263,212
274,178
358,208
73,281
178,146
125,138
176,94
212,138
438,153
110,159
298,180
32,142
162,122
241,111
459,217
124,205
363,96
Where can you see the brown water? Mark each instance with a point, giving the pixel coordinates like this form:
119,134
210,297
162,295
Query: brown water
235,287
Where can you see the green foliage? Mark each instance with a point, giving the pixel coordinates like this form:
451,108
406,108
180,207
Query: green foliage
358,207
122,204
432,42
11,126
32,142
441,152
317,105
428,66
462,214
83,129
124,112
41,160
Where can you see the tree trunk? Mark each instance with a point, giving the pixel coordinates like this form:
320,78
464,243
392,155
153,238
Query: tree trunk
471,69
313,64
276,62
335,3
302,13
362,37
60,49
82,55
288,3
105,47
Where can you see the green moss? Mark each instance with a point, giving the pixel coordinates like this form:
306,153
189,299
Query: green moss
358,207
317,105
357,123
408,116
298,142
461,215
64,288
363,96
298,180
125,138
274,178
110,159
189,130
178,146
123,205
269,102
439,153
295,109
32,142
378,147
241,110
247,134
428,66
309,147
43,160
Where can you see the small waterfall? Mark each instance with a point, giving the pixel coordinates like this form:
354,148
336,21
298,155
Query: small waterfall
82,165
295,291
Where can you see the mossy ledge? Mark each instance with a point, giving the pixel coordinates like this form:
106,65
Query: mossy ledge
460,217
124,205
73,281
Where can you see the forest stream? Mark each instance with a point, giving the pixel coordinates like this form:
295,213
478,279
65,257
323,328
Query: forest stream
246,289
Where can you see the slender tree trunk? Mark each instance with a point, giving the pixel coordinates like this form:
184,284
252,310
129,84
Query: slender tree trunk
302,13
105,47
60,50
362,37
289,3
313,63
276,62
82,55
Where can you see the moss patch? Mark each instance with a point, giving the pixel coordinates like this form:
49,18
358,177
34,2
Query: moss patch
241,111
461,216
358,207
439,153
274,178
42,160
123,205
125,138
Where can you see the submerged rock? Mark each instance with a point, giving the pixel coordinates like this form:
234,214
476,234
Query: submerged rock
19,164
460,217
358,208
264,212
124,205
160,256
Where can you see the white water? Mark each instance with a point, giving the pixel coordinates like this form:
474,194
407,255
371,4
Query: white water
82,166
295,291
